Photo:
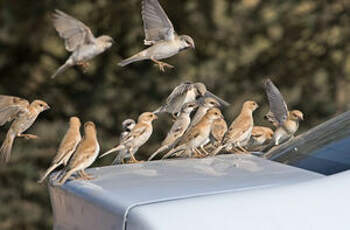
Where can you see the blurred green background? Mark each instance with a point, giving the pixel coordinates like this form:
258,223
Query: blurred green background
303,45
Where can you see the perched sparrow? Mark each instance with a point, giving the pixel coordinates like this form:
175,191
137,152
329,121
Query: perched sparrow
79,40
180,125
218,130
85,155
127,126
138,136
67,147
240,130
260,136
205,104
183,93
287,122
196,135
23,115
160,33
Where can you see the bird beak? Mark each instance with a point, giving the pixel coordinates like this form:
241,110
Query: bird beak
155,117
47,107
193,46
301,117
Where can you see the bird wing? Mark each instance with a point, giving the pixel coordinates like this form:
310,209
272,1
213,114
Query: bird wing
237,129
85,150
175,132
74,32
178,91
137,131
219,129
278,107
10,107
221,101
156,23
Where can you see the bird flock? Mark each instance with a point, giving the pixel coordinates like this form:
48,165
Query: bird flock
199,128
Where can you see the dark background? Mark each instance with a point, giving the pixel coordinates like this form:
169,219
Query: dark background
303,45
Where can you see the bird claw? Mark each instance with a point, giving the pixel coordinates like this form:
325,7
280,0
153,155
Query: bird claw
84,65
162,66
132,161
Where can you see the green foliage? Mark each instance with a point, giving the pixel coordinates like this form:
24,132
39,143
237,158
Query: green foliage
302,45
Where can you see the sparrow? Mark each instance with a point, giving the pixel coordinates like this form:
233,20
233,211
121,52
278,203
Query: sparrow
196,135
240,130
160,34
205,104
179,127
287,122
79,40
86,153
127,126
23,116
260,136
218,130
67,146
183,93
138,136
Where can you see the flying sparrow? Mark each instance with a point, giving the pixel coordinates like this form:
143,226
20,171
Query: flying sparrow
260,136
138,136
67,147
180,125
196,135
160,33
23,116
183,93
287,122
127,126
240,130
79,40
86,153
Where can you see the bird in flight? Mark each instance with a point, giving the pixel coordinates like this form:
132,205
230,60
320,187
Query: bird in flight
160,35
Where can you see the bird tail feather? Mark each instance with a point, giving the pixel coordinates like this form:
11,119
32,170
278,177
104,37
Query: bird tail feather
60,70
135,58
118,148
161,149
48,171
6,147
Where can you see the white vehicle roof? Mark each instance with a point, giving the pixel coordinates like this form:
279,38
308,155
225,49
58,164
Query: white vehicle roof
179,194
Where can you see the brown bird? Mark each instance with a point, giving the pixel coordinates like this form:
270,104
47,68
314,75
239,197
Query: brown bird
138,136
260,136
160,34
240,130
178,128
67,147
23,116
85,154
196,135
287,122
218,130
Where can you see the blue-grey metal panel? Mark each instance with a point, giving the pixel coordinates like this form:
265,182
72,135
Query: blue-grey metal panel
117,189
321,204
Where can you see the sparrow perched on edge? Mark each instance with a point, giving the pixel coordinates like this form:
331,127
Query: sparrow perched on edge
180,125
183,93
67,146
127,126
218,130
85,154
287,122
160,34
196,135
240,130
23,116
79,40
260,136
138,136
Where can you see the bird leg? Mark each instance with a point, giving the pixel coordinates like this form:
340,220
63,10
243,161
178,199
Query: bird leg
205,151
132,157
161,65
28,136
87,176
84,65
197,153
242,149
